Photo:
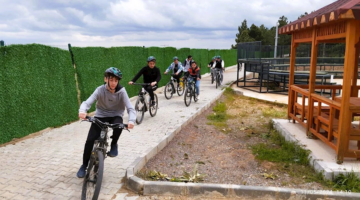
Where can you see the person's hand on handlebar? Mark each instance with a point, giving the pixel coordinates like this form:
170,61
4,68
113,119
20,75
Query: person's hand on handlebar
165,72
82,115
153,83
130,125
130,83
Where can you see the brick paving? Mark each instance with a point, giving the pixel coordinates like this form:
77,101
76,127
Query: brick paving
44,167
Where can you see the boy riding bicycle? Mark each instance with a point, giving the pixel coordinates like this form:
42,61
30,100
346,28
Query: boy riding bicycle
151,74
177,69
111,101
219,65
194,73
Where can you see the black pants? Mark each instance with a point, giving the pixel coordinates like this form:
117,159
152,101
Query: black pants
150,89
94,133
177,77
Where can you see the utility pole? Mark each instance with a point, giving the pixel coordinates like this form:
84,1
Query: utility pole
276,39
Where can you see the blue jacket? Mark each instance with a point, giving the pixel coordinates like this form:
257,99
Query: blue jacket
172,67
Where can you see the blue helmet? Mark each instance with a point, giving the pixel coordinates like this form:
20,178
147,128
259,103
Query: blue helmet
151,58
175,58
218,57
114,72
213,58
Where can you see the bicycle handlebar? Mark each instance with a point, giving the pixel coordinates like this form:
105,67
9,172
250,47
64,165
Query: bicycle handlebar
141,84
106,124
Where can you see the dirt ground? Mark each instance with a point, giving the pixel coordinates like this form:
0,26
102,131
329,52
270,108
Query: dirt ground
222,153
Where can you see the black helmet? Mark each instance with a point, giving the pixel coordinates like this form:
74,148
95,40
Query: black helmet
114,72
151,58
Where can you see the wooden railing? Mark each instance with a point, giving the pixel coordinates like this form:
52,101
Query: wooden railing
323,122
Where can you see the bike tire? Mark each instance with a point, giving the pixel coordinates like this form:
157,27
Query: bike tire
139,111
219,79
153,109
97,162
181,89
168,91
195,95
187,97
212,78
216,82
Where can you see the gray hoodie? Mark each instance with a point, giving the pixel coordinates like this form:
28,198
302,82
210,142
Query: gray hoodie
109,104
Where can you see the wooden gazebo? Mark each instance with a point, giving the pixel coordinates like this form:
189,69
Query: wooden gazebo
329,119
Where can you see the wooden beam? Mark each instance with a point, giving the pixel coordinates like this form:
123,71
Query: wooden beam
345,115
296,26
303,40
313,62
333,36
291,75
348,15
302,25
308,23
354,89
332,41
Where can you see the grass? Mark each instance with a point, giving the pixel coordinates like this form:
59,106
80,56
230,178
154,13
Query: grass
219,117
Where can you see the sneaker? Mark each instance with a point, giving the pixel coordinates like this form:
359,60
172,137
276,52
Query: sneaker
82,171
113,151
197,97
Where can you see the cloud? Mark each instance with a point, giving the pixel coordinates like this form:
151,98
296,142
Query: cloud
181,23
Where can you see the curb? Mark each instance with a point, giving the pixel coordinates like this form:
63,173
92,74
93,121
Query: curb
136,184
316,162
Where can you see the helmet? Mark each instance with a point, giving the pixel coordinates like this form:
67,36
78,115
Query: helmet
213,58
151,58
218,56
113,71
175,58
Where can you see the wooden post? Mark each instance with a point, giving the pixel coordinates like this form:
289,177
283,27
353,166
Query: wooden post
291,76
312,79
354,90
345,115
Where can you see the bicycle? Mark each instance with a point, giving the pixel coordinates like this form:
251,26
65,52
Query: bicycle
169,89
94,173
190,91
141,105
217,77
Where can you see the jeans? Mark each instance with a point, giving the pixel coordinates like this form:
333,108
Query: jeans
197,84
94,134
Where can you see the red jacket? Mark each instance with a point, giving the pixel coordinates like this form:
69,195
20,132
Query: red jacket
195,72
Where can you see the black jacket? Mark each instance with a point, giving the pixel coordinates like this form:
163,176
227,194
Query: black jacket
149,75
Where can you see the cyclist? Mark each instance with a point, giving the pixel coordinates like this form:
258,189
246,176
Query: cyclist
194,73
219,65
111,100
177,70
211,65
187,65
151,74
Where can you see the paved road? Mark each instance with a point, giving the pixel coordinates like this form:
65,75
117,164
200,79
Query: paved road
44,167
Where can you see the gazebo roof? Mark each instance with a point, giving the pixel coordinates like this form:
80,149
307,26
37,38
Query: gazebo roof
341,9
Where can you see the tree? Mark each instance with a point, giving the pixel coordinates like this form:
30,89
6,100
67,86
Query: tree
303,15
255,33
241,29
284,39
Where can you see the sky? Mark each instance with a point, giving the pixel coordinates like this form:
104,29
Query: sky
206,24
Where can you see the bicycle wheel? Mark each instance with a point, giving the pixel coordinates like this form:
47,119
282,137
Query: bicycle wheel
153,109
140,110
93,178
181,88
212,78
216,82
168,91
187,96
194,94
219,80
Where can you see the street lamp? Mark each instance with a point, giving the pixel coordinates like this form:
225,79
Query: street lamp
276,38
